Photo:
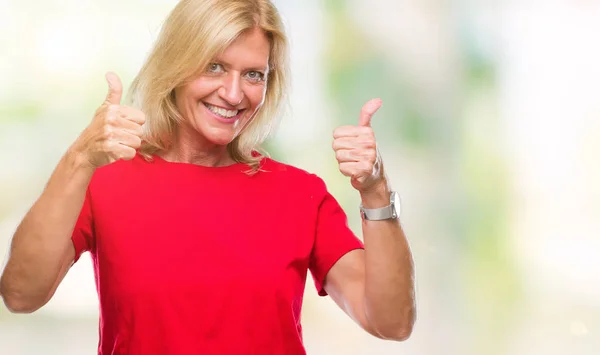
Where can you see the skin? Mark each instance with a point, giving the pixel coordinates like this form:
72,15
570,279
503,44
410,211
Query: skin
41,250
235,80
374,286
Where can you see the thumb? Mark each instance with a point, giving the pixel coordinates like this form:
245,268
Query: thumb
115,89
367,111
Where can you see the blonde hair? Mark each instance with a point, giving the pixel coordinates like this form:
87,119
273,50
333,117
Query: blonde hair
195,32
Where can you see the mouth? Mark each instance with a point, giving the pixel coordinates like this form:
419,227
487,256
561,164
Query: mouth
223,113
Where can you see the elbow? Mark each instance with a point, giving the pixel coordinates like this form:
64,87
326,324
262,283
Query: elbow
397,333
398,329
18,304
18,308
15,305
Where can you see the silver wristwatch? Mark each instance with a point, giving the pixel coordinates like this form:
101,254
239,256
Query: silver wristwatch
379,214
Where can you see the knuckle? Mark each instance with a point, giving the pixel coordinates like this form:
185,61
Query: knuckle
369,143
131,153
344,170
371,155
335,144
108,132
128,155
113,108
137,142
341,131
110,119
107,146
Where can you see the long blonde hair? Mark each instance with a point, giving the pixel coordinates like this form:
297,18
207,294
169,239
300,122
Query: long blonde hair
195,32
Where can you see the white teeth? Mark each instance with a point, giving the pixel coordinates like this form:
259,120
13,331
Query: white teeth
221,111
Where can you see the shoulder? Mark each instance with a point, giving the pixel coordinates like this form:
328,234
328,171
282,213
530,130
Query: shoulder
290,174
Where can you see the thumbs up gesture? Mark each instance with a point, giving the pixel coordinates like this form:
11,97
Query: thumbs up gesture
356,150
115,131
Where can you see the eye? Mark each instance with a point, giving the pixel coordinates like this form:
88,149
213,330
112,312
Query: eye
255,76
214,68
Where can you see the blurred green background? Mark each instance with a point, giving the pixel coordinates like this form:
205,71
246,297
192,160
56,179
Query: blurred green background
490,130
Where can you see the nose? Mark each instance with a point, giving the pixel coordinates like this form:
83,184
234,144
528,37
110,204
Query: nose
231,90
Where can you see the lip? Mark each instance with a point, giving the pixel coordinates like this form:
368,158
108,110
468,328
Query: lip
230,120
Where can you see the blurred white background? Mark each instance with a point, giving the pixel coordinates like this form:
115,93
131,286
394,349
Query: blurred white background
490,130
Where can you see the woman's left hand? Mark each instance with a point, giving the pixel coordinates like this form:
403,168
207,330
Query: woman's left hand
356,150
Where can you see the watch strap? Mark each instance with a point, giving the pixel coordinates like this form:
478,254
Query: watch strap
382,213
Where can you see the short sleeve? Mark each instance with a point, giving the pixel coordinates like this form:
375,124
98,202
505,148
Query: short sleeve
83,233
333,240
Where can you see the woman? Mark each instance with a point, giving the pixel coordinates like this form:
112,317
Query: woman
201,244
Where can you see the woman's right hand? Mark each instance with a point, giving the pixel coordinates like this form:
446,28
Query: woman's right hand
115,131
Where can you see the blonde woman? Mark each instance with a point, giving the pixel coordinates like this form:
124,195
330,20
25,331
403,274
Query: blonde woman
200,243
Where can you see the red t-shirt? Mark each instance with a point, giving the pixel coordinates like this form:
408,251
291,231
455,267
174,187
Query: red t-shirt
207,260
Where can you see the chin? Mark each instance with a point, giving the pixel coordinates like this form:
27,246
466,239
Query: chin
221,141
221,135
218,137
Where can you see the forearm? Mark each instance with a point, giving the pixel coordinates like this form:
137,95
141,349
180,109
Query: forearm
42,243
389,272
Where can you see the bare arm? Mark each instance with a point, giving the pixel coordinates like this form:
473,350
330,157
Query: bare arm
376,286
389,272
41,251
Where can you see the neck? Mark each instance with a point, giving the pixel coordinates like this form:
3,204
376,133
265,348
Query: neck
191,149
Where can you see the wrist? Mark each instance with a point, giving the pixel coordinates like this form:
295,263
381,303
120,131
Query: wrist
78,160
377,195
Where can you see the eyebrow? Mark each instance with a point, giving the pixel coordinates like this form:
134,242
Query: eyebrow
251,68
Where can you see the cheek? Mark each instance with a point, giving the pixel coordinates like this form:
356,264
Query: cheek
201,87
257,95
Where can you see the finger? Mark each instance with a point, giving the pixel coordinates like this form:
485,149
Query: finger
115,89
123,152
367,112
116,122
351,131
130,127
132,114
127,139
346,155
360,142
344,143
354,169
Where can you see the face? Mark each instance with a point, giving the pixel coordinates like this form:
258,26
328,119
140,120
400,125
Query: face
219,103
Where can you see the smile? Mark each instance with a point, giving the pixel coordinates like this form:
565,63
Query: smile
224,113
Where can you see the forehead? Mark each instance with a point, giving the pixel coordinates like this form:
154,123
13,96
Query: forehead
250,49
